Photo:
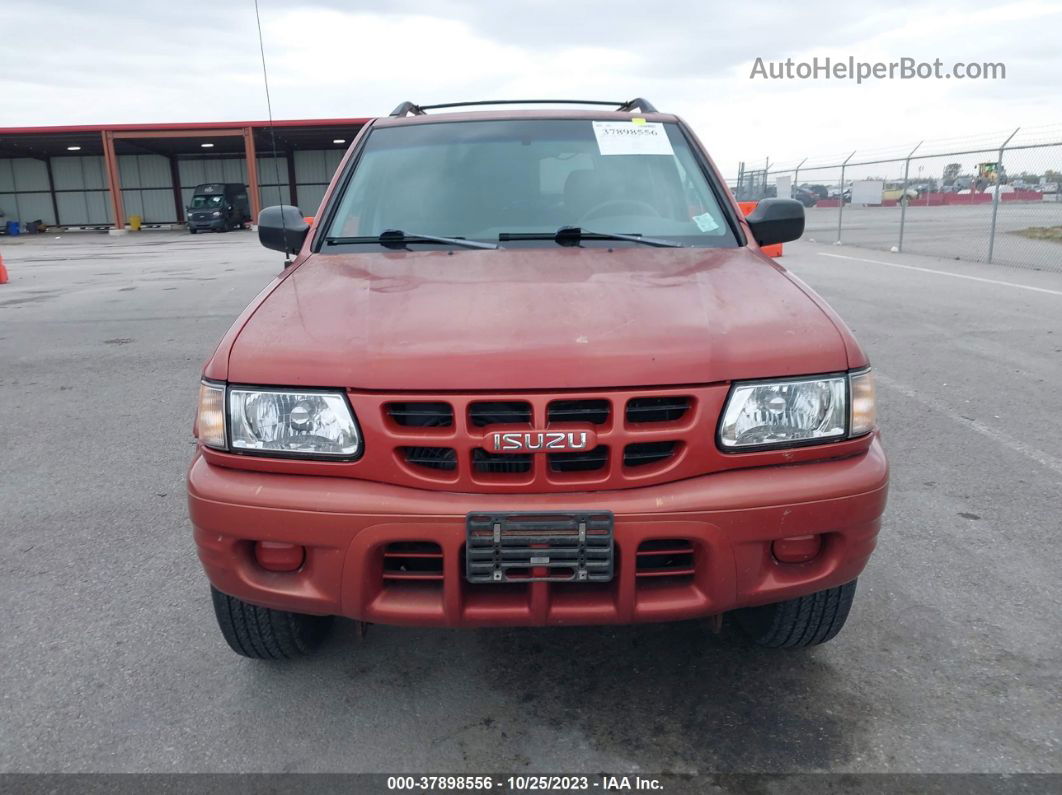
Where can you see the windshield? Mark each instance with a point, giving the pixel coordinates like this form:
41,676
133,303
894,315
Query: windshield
206,202
485,179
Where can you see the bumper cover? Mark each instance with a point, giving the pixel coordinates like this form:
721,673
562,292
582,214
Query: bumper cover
213,223
729,519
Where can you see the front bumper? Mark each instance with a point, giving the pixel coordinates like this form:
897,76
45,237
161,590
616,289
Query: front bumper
729,519
213,223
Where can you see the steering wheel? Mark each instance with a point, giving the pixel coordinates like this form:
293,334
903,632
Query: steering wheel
596,210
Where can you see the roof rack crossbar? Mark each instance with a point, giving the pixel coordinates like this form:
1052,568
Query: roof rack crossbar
644,105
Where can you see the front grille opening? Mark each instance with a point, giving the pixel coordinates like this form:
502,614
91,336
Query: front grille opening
594,412
665,560
440,458
417,561
657,409
487,463
648,453
512,412
421,414
582,461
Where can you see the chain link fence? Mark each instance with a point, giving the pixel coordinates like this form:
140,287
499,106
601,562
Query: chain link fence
993,198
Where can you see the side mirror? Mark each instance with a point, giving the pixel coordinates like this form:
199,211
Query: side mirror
776,221
282,228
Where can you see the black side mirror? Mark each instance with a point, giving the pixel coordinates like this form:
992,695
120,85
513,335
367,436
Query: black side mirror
283,228
776,221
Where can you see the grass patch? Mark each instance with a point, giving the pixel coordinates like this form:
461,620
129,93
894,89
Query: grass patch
1041,233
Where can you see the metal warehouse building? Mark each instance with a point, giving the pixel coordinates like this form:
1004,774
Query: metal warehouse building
63,175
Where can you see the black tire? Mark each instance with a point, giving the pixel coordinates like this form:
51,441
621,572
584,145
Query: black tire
804,621
262,633
192,231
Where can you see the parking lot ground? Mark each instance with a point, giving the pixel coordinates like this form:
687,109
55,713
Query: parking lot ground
110,659
949,232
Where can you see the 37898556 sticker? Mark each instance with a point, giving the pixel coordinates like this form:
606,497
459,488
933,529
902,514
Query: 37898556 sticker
628,138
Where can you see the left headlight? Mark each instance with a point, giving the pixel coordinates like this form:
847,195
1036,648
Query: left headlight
280,422
797,411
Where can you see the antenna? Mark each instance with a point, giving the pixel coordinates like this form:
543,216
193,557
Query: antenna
272,132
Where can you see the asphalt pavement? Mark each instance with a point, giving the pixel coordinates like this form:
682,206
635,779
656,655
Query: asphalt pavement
949,231
110,659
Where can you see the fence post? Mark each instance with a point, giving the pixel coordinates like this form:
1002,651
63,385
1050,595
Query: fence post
995,198
766,168
903,194
840,208
796,176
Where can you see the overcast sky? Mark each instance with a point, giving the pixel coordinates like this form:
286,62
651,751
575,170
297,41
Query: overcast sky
109,61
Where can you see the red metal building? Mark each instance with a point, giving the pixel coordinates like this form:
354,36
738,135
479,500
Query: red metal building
64,176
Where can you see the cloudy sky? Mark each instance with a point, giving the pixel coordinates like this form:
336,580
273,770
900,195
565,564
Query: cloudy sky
110,61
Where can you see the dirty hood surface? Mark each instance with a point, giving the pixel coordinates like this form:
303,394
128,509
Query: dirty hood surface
534,318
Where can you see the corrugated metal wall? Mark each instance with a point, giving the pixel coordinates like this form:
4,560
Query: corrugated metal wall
147,185
81,190
147,188
24,192
313,172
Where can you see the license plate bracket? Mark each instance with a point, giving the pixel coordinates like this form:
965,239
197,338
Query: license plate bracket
539,546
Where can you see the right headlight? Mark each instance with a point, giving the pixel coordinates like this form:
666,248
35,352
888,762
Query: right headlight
796,411
277,422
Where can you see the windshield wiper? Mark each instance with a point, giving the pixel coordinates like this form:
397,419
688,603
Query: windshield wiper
572,235
396,238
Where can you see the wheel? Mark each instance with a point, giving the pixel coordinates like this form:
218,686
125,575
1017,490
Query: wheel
262,633
192,231
804,621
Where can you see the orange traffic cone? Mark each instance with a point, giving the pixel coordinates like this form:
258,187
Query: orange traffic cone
3,271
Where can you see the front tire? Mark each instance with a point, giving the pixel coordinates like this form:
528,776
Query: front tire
795,623
262,633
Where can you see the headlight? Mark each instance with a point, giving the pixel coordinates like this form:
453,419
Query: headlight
292,423
210,418
216,213
781,413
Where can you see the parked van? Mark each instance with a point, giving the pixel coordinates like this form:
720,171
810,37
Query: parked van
218,206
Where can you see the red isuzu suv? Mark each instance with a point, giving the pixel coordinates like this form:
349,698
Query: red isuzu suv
531,368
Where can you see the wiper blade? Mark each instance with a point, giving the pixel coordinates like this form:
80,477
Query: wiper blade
572,235
396,238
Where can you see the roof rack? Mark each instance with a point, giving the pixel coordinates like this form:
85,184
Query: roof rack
638,103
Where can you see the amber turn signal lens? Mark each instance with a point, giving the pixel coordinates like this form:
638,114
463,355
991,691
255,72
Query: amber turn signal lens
864,404
210,419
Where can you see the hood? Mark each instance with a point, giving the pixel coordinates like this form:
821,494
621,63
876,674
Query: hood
534,318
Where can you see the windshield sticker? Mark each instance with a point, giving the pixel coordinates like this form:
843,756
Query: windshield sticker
628,138
705,222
